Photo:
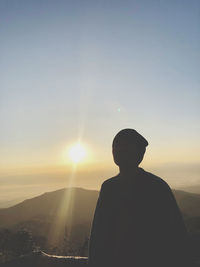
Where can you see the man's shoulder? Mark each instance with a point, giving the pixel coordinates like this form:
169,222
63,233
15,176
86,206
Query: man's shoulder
155,180
108,186
149,179
110,181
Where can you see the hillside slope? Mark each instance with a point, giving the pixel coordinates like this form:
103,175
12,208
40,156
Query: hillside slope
68,213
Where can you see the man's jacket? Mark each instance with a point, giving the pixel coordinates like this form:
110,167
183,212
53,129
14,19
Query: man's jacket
137,223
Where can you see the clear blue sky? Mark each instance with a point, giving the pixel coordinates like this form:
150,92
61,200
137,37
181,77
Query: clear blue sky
90,68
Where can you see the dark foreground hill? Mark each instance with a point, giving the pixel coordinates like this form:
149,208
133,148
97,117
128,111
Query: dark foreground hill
77,202
56,219
41,259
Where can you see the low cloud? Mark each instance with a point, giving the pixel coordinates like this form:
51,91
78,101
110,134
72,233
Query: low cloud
26,185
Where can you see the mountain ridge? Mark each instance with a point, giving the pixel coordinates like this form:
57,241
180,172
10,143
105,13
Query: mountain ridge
53,219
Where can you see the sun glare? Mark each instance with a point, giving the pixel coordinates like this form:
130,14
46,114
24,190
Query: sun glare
77,153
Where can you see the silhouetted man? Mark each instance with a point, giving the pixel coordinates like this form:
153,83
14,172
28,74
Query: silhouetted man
137,222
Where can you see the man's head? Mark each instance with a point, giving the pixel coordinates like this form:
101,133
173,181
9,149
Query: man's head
128,148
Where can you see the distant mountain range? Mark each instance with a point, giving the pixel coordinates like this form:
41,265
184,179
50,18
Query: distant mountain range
81,201
192,189
57,216
189,203
10,203
70,211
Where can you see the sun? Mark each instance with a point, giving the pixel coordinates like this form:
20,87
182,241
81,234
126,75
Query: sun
77,153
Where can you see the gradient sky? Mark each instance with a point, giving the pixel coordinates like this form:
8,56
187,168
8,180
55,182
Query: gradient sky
86,69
